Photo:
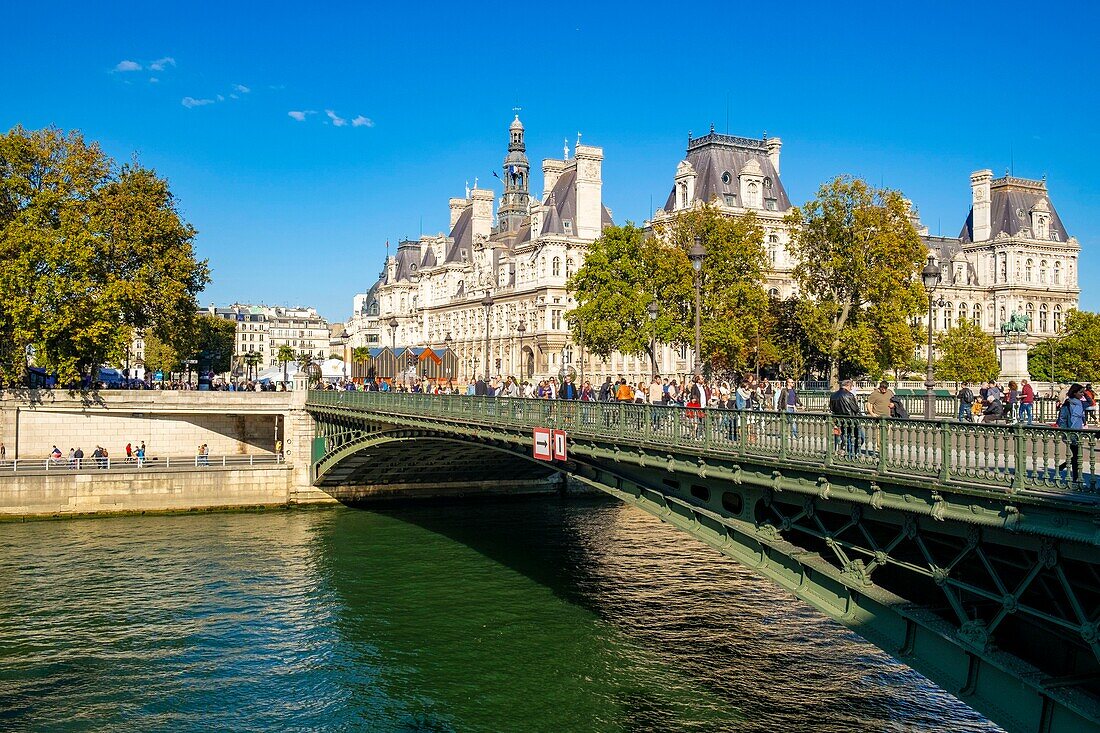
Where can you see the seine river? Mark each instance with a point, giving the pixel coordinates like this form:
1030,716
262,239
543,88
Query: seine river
534,615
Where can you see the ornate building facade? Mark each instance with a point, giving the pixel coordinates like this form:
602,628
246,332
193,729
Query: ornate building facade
1013,255
495,280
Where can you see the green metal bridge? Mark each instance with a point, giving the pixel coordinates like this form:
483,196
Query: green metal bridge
970,552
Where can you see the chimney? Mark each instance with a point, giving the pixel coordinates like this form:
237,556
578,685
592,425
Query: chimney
551,171
457,205
589,162
979,187
483,212
774,144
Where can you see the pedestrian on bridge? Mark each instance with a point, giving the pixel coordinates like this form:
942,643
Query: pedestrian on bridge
1027,401
1071,418
966,402
844,405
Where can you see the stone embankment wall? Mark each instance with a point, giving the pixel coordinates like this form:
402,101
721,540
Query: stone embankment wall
170,423
38,495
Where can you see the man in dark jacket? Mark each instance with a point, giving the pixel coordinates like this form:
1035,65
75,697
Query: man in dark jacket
568,390
845,406
481,389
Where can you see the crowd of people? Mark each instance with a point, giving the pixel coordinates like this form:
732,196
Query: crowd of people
100,457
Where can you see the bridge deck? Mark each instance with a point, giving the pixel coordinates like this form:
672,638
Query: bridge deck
1031,460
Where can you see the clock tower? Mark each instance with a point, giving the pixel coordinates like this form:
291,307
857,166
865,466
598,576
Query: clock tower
513,205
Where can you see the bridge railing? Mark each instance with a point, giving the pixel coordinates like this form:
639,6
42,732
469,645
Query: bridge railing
1009,457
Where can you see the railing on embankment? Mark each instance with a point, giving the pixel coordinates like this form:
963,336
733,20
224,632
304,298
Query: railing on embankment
1005,457
93,464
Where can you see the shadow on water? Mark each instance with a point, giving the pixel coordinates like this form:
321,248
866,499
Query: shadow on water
683,638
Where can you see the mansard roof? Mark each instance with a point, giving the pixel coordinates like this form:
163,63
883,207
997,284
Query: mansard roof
408,255
462,238
429,257
715,154
562,203
1011,201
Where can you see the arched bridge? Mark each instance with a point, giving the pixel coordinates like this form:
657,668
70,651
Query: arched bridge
967,551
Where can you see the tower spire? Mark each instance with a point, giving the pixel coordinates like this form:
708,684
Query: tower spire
513,205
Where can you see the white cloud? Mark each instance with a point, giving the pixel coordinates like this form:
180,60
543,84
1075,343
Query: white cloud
300,115
337,120
233,96
362,121
162,63
154,80
241,88
190,102
221,98
128,66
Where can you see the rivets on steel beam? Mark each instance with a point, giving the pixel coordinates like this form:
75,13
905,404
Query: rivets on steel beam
939,576
973,535
1009,603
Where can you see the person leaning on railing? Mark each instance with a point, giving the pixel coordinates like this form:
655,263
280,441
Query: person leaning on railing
844,405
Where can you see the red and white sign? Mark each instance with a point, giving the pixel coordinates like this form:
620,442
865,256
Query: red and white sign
543,450
559,445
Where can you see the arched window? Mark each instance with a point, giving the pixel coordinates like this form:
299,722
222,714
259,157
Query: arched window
752,194
1043,317
948,316
773,248
963,315
1041,227
1030,310
1028,270
1002,314
569,267
1057,272
556,266
773,293
1004,268
978,314
1057,318
683,194
1042,271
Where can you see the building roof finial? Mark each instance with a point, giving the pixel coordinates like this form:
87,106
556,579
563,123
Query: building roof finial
712,128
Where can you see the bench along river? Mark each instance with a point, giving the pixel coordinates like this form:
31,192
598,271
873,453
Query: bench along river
525,615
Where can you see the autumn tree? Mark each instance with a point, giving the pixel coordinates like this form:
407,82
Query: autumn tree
859,260
1076,354
92,251
966,354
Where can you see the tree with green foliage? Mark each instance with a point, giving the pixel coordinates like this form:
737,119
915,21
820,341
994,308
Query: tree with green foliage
92,251
285,355
966,354
624,271
1076,351
859,260
735,304
161,356
210,340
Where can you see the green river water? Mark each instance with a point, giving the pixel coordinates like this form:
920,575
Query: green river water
534,615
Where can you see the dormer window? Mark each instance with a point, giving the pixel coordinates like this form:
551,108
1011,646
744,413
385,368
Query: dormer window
770,204
752,196
567,224
726,177
768,183
731,200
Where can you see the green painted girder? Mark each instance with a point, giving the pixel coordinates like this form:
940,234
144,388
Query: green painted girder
1052,533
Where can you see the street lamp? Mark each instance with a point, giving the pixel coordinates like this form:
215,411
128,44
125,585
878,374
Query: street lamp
393,333
696,255
930,276
487,301
521,329
651,310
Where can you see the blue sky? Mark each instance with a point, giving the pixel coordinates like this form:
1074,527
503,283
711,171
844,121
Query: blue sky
912,96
